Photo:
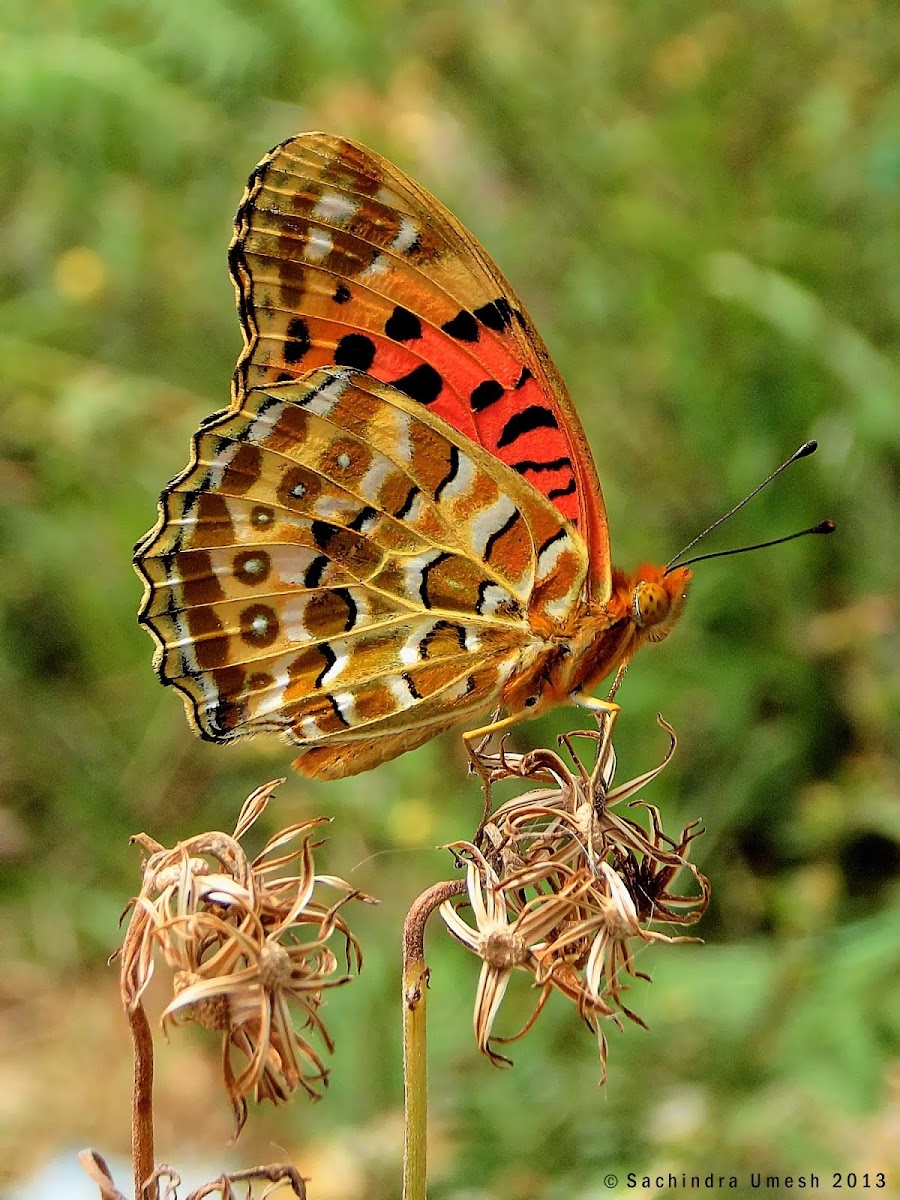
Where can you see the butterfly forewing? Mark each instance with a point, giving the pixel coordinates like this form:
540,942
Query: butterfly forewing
341,565
339,258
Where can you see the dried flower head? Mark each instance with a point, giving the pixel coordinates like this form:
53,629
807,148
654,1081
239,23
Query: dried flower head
562,887
247,943
278,1180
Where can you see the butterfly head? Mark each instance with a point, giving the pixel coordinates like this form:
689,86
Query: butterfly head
656,598
644,607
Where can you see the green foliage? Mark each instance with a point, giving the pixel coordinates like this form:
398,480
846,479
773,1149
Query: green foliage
699,205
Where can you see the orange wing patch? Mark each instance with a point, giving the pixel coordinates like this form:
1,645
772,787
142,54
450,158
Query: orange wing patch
340,259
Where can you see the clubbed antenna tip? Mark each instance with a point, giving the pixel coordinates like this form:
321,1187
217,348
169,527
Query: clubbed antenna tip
803,451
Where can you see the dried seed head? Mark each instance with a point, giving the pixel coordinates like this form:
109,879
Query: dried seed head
504,951
274,966
211,1013
247,942
560,885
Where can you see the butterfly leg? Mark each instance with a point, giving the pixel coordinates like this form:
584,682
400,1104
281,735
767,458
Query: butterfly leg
482,745
475,741
606,713
603,708
482,735
617,681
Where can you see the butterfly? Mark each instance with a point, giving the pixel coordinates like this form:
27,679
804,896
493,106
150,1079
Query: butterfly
397,526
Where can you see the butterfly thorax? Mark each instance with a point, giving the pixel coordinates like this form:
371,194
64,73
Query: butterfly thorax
599,638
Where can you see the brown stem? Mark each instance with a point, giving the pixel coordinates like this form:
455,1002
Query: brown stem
142,1153
279,1173
415,1060
422,908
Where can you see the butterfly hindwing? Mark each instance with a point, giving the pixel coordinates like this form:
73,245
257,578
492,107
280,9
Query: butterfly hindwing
341,565
340,259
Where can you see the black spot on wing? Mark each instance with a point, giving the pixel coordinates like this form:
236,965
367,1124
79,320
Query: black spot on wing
426,571
555,464
499,533
337,712
451,472
485,394
407,679
217,446
362,518
414,246
560,533
406,507
463,327
438,628
402,325
322,533
355,350
341,294
298,341
523,378
496,315
330,659
314,573
328,380
423,383
221,720
536,416
264,405
565,491
352,611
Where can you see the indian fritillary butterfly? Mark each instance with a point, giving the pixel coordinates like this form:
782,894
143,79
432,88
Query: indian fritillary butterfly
397,526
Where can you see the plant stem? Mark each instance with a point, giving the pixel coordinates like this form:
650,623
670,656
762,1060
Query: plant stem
142,1151
415,1053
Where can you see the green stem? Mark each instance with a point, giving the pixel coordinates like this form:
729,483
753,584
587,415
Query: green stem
415,1053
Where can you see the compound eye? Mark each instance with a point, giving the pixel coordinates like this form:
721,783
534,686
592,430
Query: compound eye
650,604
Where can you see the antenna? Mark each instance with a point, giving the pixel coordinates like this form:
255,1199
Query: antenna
803,452
822,527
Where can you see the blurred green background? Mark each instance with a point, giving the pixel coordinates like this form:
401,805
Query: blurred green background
699,204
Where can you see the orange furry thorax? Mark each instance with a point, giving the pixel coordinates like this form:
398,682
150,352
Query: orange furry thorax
645,606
